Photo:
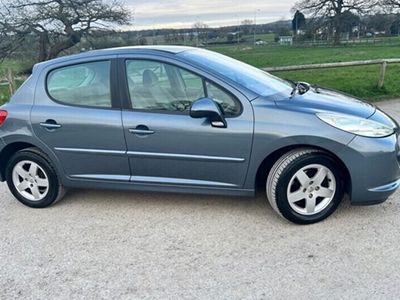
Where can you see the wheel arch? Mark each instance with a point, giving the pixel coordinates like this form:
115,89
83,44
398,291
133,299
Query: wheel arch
265,167
11,148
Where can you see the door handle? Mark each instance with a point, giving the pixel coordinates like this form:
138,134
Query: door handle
141,130
50,124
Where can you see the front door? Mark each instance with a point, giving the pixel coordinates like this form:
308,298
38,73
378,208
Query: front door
166,146
76,115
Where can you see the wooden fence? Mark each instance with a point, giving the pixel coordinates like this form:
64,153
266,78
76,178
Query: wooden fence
382,62
9,79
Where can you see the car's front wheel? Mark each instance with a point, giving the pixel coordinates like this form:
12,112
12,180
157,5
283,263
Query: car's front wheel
32,179
305,186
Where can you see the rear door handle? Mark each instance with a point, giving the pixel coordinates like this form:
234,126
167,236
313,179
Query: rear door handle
141,130
50,124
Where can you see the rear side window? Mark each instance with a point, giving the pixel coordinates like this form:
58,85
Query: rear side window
86,84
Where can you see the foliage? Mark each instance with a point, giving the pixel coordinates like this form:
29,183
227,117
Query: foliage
332,13
299,21
55,25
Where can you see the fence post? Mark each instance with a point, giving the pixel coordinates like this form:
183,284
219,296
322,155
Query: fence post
11,82
381,81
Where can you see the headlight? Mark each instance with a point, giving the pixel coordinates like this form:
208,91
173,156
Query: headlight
359,126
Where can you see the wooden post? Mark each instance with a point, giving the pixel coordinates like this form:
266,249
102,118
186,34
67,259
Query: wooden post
381,81
11,82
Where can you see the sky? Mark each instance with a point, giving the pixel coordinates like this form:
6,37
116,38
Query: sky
152,14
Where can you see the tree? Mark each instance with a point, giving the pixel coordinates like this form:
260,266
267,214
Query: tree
298,22
55,25
332,11
391,3
395,27
247,22
201,30
391,9
247,25
349,21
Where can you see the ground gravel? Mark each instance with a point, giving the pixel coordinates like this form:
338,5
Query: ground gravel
132,245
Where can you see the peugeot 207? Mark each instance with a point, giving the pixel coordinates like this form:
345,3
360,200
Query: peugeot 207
180,119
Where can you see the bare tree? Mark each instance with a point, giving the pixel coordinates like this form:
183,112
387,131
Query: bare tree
247,25
393,4
55,25
333,11
201,30
247,22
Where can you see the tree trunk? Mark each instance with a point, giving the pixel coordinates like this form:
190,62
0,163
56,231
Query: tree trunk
337,27
43,45
336,38
67,43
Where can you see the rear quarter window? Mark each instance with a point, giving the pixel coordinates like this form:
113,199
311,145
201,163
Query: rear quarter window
86,84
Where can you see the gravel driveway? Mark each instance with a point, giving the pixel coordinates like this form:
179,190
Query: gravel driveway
132,245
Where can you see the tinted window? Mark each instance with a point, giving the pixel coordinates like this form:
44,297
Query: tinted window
85,84
159,86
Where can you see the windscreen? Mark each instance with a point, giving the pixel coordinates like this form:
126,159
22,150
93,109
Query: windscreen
249,77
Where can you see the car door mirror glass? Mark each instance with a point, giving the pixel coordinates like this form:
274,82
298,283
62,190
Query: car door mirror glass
208,108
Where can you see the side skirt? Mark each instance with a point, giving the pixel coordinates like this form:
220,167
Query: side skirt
150,187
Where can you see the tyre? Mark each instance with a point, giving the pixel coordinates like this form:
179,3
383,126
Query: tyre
32,179
305,186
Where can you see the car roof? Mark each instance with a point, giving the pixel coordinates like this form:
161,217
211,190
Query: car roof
119,50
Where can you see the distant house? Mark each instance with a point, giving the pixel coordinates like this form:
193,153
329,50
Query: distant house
286,40
233,36
261,43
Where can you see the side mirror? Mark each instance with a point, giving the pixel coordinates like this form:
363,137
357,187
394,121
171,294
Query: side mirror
207,108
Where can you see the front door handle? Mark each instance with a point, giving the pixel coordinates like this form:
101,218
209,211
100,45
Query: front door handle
141,130
50,124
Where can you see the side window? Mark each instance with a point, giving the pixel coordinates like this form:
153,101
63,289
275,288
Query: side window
193,85
158,86
86,84
229,105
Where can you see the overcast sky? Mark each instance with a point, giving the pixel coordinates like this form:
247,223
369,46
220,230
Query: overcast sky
184,13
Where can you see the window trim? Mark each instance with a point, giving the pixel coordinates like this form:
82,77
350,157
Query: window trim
126,94
115,102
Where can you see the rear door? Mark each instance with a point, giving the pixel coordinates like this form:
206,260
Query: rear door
165,145
77,115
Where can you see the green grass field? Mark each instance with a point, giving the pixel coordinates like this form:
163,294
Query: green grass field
359,81
270,56
4,95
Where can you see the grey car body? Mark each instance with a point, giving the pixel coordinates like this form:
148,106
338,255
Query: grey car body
105,147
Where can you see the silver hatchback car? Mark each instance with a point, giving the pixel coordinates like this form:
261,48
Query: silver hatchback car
180,119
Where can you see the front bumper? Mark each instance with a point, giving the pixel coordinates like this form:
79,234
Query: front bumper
374,168
380,193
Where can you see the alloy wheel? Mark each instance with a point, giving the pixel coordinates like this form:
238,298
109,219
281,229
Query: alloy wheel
311,189
30,180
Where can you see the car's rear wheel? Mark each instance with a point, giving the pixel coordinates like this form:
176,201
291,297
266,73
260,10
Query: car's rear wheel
32,179
305,186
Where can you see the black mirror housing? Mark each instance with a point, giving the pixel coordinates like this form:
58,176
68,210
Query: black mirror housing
207,108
